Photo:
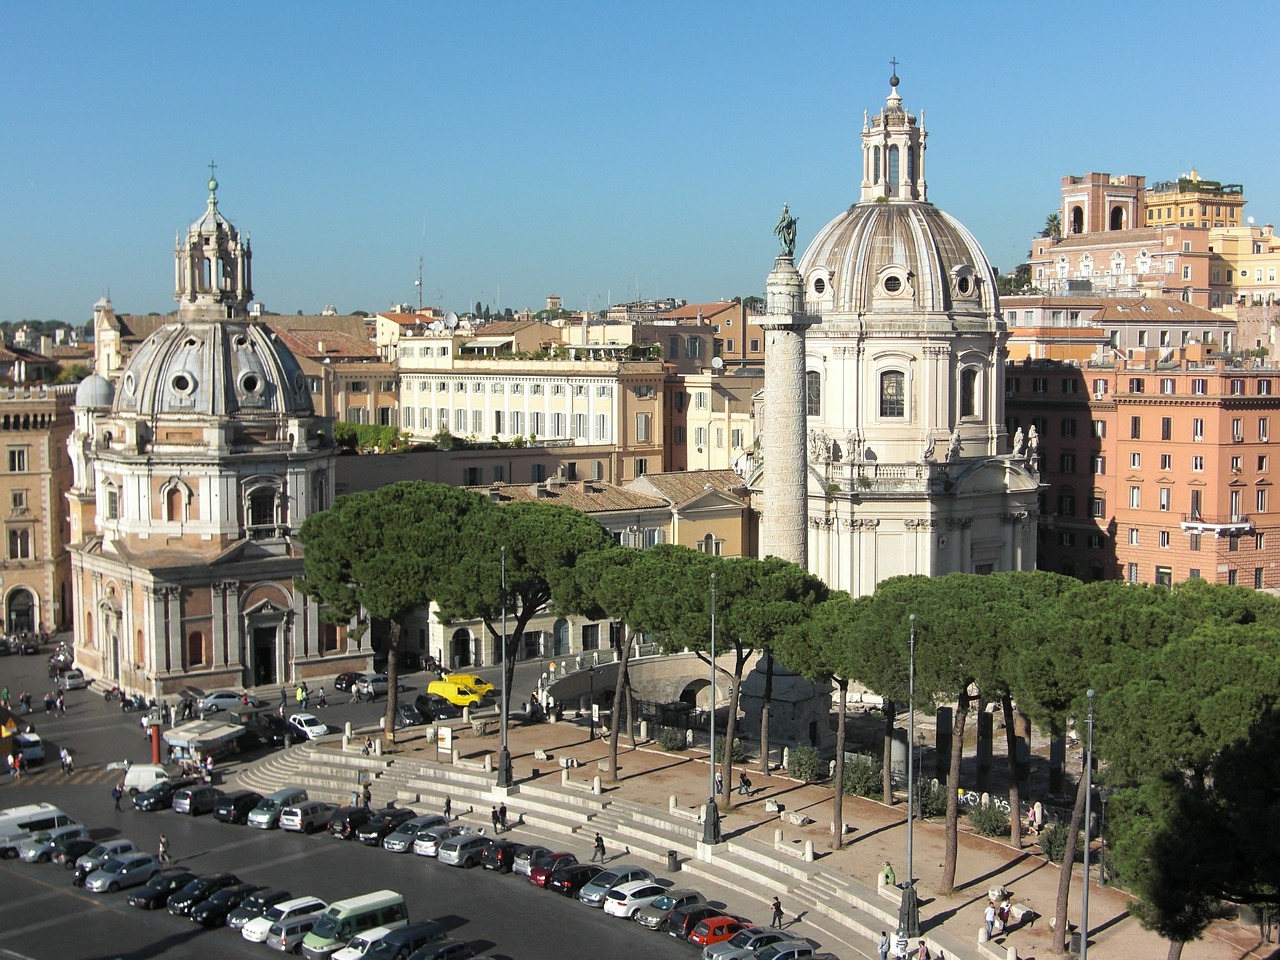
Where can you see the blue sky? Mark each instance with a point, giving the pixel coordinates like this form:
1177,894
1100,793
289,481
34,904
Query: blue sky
594,150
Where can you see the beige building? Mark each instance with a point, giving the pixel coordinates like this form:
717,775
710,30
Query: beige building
35,571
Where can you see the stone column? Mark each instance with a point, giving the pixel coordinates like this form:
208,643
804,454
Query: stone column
786,503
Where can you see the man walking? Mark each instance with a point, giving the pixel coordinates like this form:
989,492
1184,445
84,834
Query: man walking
502,816
163,856
777,913
884,945
116,793
493,819
448,808
989,915
744,784
598,849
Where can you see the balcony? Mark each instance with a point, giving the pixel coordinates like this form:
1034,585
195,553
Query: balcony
1232,525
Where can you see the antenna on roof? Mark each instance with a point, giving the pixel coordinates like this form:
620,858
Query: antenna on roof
419,280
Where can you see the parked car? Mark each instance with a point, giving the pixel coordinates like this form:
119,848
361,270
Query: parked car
196,800
593,893
223,700
715,930
309,725
198,890
462,850
743,944
66,852
427,842
541,872
266,815
258,930
103,852
39,847
626,899
161,794
407,715
654,916
360,945
126,870
400,840
384,821
567,881
499,855
213,912
345,681
682,920
255,905
235,807
306,817
445,950
785,950
156,891
345,821
274,730
73,679
526,857
474,681
434,707
287,935
375,685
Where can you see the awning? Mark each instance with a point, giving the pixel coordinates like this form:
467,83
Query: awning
483,342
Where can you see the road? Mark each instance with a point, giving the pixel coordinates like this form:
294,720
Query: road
42,915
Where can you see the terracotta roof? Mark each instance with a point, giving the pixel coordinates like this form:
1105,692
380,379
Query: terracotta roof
589,496
1115,238
709,310
352,325
337,343
137,327
679,487
408,319
1150,309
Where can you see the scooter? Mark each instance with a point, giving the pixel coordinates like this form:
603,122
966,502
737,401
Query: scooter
136,702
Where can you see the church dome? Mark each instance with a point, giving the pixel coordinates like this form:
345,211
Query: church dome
94,391
213,368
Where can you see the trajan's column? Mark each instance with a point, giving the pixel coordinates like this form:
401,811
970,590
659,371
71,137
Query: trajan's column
785,464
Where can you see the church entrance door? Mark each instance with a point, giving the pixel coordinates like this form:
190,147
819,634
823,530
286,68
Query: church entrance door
20,609
264,656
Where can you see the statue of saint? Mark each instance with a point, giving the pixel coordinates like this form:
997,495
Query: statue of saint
953,447
1033,448
786,232
1018,443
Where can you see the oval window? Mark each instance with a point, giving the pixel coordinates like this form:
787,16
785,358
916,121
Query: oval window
893,284
963,285
129,384
819,286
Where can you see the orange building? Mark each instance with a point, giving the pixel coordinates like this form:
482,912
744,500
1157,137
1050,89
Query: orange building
1154,472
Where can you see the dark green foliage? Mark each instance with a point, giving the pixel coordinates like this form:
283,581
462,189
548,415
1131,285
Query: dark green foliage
672,740
366,437
989,820
738,754
1053,842
862,777
806,764
933,800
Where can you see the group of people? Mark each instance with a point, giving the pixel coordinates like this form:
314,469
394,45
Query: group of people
996,916
24,701
498,817
900,951
744,783
17,765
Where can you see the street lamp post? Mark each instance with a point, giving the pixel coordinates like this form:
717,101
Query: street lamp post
1088,813
591,707
711,821
504,753
909,911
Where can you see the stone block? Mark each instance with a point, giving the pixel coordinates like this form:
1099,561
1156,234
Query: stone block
799,819
773,806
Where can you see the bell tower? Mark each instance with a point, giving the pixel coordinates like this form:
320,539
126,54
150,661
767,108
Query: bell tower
893,152
212,267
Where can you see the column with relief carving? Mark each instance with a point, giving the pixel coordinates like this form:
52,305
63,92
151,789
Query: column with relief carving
786,503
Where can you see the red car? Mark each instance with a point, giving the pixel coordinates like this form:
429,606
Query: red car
541,871
714,929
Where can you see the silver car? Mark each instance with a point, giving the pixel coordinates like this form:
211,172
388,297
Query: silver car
105,851
427,842
400,840
593,893
462,850
127,870
38,848
743,944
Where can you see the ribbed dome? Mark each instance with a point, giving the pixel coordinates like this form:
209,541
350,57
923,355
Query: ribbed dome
897,256
94,391
217,368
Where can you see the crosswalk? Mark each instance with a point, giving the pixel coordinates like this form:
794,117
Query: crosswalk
47,773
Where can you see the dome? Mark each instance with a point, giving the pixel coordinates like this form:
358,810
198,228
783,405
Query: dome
897,256
94,391
213,368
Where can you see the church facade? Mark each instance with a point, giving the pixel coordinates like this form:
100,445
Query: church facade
192,472
885,450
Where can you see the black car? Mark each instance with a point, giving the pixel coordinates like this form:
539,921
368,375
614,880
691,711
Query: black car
161,794
345,681
372,833
345,821
279,732
683,919
499,855
432,706
213,911
407,715
255,905
235,807
29,648
67,850
567,881
181,902
156,892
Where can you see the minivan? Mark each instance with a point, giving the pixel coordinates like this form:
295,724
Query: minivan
459,694
287,935
256,930
463,850
143,776
196,799
345,918
306,817
267,813
403,943
18,823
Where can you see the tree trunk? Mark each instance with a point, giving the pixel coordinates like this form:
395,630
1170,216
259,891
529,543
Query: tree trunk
890,712
948,882
1015,797
765,711
1067,870
393,681
619,695
730,729
837,807
1175,950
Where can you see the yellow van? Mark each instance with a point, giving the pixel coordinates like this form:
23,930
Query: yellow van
459,694
472,680
345,918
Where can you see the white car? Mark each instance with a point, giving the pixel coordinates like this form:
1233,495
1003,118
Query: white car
626,900
428,840
309,725
361,943
257,929
223,700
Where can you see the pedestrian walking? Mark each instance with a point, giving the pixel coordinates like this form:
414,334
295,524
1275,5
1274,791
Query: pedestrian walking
300,695
884,945
321,699
989,915
744,784
13,767
502,815
4,698
367,796
598,849
922,953
777,914
62,704
70,768
116,793
284,699
719,783
493,818
448,808
163,856
63,757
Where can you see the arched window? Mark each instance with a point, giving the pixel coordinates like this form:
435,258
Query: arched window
1077,219
1067,567
1095,569
195,648
893,401
911,164
1117,218
173,505
875,167
968,392
893,170
812,393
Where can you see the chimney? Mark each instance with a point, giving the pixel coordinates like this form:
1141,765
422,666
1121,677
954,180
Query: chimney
320,347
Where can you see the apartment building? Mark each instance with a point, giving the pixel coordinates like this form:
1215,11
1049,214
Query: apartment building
1154,472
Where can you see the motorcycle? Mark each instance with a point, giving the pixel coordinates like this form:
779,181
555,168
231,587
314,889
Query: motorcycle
136,702
114,693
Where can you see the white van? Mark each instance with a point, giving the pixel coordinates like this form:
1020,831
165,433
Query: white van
257,929
19,823
345,918
141,777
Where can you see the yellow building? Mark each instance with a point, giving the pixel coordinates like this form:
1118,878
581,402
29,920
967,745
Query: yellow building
1192,202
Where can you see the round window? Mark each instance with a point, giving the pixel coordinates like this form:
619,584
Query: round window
819,286
191,342
241,341
963,285
182,383
251,383
893,284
